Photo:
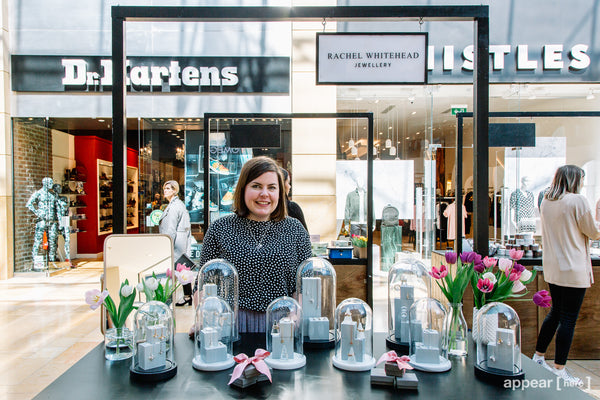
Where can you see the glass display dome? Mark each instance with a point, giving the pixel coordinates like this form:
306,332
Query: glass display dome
353,336
426,317
153,337
219,277
498,343
315,283
285,334
213,350
408,281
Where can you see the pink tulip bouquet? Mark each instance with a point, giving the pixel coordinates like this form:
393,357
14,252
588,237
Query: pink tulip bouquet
508,280
163,289
454,287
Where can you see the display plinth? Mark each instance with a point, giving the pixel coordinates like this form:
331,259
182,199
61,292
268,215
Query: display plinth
443,365
156,375
402,349
319,344
367,364
298,361
497,377
201,365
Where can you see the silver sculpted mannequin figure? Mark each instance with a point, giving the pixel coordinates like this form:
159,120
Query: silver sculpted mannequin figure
43,204
62,210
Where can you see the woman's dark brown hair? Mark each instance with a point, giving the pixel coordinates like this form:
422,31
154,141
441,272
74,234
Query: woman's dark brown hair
254,168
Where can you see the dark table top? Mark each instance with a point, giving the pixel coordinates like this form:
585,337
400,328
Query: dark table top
93,377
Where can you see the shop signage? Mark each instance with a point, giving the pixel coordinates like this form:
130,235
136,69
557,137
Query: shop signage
371,58
458,108
511,135
152,74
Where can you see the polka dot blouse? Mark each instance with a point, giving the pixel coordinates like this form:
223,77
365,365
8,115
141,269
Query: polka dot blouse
266,255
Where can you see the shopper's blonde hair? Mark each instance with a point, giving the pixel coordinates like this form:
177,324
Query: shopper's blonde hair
567,179
174,185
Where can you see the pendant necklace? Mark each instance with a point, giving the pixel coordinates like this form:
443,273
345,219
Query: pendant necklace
258,243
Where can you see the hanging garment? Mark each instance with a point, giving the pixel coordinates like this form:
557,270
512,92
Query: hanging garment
450,213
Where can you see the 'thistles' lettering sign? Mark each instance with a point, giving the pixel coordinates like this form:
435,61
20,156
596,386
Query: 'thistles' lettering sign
371,58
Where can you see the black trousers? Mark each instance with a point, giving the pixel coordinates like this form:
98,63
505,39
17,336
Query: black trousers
187,289
566,303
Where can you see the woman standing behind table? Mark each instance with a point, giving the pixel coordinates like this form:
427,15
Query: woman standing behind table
567,227
293,208
175,222
260,240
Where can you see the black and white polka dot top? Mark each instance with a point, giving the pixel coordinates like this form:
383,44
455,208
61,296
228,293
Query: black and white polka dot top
265,254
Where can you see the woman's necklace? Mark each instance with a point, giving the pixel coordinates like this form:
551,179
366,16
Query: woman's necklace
259,242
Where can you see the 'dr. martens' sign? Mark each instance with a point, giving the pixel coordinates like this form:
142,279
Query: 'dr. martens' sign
152,74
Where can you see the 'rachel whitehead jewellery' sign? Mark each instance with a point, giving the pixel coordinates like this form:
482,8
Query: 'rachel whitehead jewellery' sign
371,58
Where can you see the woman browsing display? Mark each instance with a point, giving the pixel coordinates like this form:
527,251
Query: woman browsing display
567,227
175,222
260,240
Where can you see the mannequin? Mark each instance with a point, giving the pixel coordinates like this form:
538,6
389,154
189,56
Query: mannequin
355,212
64,228
391,236
522,207
43,204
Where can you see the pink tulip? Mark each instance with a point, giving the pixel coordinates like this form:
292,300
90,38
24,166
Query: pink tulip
490,262
95,298
512,275
439,273
542,299
485,285
515,254
180,267
169,273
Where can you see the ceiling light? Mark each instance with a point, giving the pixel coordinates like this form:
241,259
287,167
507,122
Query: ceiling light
413,113
418,133
100,120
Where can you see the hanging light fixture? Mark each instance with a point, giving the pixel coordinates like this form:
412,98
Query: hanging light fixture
388,141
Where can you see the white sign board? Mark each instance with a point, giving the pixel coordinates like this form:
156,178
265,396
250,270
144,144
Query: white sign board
372,58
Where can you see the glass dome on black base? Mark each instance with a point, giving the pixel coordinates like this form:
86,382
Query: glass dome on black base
153,337
408,281
498,344
315,282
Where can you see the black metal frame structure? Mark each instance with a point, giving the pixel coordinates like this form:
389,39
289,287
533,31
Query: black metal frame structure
479,14
478,210
370,139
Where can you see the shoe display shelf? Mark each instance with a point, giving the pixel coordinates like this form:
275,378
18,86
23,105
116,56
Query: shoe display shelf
105,197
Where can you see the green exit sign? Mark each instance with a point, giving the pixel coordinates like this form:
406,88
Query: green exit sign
458,108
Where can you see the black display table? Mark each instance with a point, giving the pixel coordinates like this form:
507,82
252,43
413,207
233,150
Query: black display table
95,378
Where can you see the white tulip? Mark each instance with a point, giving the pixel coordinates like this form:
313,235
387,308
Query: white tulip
517,287
140,286
126,290
504,263
152,283
525,275
490,276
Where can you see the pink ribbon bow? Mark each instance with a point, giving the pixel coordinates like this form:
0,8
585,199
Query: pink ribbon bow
258,361
392,356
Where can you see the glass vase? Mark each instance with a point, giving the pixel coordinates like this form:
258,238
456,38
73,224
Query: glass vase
118,344
455,332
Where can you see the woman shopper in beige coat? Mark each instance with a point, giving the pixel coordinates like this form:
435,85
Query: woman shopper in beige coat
567,227
175,222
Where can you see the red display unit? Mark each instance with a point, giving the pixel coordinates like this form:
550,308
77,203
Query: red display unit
88,150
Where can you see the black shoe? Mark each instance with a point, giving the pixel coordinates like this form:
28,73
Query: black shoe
184,302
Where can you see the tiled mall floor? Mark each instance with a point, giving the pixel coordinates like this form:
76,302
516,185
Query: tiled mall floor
47,327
